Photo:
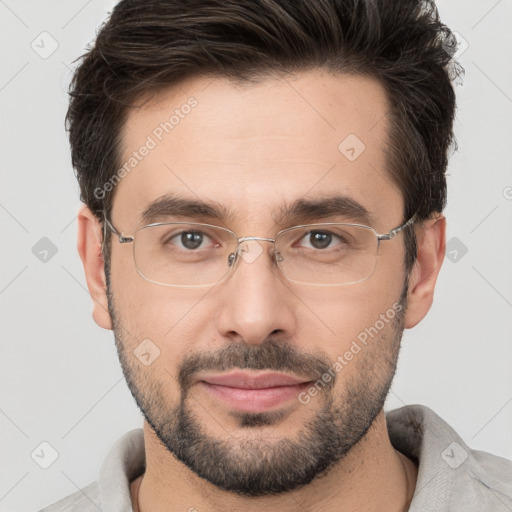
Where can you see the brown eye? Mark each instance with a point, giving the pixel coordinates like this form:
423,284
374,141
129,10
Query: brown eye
190,240
320,240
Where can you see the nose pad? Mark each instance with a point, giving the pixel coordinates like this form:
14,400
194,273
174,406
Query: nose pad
232,258
250,251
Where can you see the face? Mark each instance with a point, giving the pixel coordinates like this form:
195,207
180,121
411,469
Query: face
252,152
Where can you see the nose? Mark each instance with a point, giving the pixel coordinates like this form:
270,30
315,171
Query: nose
256,301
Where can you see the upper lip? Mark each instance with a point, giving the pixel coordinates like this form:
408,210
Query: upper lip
246,380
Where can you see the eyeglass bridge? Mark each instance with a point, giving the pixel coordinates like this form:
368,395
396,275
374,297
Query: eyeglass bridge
233,256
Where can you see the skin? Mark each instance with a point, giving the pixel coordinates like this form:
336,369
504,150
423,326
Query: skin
265,144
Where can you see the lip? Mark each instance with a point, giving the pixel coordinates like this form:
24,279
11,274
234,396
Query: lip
254,392
253,380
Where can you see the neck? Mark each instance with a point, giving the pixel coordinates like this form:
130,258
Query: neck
372,477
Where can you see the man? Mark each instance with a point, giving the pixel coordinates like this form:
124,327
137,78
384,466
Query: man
264,184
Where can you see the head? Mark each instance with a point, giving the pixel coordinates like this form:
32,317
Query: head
263,114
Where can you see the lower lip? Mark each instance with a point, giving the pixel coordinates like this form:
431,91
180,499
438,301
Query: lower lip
255,400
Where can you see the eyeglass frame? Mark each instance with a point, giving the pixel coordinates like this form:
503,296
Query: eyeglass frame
126,239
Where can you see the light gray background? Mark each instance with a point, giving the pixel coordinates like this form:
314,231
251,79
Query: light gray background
59,379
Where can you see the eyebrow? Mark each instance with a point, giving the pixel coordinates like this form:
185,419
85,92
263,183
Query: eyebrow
301,211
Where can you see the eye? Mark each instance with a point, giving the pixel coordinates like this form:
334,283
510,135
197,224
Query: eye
190,240
319,240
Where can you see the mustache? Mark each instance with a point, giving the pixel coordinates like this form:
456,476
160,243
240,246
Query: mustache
269,355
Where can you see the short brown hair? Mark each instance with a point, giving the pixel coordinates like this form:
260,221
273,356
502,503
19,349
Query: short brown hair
147,45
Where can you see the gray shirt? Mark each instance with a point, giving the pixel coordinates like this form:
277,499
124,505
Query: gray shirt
451,476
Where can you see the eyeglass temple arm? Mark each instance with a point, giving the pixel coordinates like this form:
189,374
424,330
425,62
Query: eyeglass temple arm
122,239
395,231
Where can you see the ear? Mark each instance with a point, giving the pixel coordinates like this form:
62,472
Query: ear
431,241
89,248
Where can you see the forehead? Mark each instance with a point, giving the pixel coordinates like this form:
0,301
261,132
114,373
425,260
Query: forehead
254,147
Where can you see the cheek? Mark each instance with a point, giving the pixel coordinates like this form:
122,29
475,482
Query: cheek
362,348
172,318
334,317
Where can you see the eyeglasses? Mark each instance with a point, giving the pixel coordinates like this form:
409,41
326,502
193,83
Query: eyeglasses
189,254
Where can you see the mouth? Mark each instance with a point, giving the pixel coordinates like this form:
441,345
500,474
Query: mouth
254,391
